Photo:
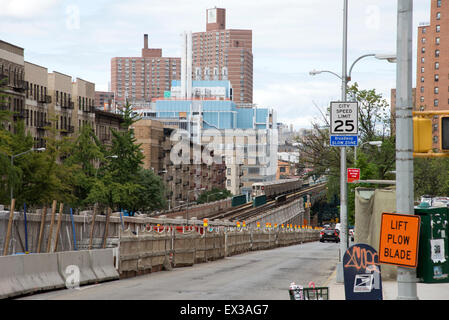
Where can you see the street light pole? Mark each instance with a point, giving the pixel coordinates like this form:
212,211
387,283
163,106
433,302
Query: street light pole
406,277
343,178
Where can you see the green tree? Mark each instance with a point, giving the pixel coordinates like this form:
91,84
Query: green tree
85,154
46,177
122,182
213,195
151,195
375,163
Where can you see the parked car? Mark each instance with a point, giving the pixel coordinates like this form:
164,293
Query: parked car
330,234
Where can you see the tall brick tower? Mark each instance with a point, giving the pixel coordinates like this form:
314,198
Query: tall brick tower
432,68
224,54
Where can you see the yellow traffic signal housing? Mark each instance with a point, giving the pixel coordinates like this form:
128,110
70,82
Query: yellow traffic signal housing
422,135
444,133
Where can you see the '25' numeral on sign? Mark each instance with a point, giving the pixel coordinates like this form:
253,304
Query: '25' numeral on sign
348,126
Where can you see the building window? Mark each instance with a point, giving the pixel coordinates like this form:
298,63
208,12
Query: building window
438,28
437,77
228,182
438,15
435,103
437,65
421,99
436,90
422,69
437,40
437,53
438,3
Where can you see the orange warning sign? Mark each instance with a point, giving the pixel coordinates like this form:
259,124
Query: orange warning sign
399,239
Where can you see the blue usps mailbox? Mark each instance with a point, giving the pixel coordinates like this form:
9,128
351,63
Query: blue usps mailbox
361,270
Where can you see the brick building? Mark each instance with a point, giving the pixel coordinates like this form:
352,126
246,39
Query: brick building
224,54
184,181
45,100
432,81
141,79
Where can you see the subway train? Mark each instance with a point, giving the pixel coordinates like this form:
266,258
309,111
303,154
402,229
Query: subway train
272,189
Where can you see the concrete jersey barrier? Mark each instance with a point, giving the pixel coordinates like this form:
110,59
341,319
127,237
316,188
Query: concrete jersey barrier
31,273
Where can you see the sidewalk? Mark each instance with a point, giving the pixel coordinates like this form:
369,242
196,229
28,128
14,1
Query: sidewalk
426,291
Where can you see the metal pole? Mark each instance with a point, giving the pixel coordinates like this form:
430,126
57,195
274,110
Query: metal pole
406,277
343,178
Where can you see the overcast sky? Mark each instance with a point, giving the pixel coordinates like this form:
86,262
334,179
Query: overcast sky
290,38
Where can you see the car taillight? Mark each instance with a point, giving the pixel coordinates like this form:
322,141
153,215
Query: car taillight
336,233
262,187
321,233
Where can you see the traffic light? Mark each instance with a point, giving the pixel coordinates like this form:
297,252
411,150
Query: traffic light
422,134
444,133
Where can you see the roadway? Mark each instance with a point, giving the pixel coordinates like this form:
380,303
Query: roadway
258,275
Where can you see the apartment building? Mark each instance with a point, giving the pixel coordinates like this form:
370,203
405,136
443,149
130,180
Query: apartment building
45,100
224,54
141,79
104,100
12,79
184,179
432,72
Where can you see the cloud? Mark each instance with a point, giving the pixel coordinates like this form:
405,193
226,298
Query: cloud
25,8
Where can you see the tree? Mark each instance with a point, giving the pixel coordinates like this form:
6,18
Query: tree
375,163
84,153
151,195
214,194
122,182
46,177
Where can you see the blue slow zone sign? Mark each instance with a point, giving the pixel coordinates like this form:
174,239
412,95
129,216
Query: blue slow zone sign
344,141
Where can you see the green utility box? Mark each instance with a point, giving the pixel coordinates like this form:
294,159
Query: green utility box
433,260
238,200
260,200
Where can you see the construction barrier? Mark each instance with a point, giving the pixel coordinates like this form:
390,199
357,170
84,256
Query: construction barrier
238,241
30,273
150,250
102,264
184,252
144,253
80,259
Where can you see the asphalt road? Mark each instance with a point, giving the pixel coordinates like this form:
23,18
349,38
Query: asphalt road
259,275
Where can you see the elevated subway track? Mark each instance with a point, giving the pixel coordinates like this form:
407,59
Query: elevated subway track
247,211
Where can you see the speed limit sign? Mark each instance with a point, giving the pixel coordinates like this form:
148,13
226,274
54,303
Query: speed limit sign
344,118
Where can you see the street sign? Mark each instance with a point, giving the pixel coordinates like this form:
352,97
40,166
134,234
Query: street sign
344,118
344,126
344,141
362,273
353,174
399,239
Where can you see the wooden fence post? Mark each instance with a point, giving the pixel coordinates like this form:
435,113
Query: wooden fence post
92,226
41,232
8,232
106,230
53,211
58,227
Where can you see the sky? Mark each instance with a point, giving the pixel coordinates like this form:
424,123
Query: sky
290,38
